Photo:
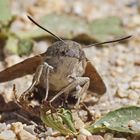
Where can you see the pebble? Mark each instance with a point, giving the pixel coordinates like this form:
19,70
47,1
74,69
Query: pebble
3,127
136,20
133,95
1,65
108,136
92,137
12,59
40,47
84,132
95,137
16,127
77,121
77,8
120,62
81,137
49,131
29,128
97,114
136,127
135,84
121,93
22,134
119,139
8,135
119,69
131,123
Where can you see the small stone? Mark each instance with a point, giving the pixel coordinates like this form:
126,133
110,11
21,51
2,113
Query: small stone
119,69
136,20
8,135
12,59
95,137
120,62
49,131
94,99
40,47
81,137
2,127
135,85
119,139
131,123
108,136
133,95
113,73
135,126
84,132
24,135
77,8
77,121
16,127
29,128
137,63
8,126
106,124
120,93
97,114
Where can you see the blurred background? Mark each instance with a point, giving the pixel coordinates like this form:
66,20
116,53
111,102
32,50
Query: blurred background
87,22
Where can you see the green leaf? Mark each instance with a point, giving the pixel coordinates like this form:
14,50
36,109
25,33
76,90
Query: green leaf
5,12
11,46
67,118
6,18
126,119
25,47
62,25
106,27
57,122
65,25
18,46
71,27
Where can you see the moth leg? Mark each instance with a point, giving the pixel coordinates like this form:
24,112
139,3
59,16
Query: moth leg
38,78
44,78
82,93
77,81
42,70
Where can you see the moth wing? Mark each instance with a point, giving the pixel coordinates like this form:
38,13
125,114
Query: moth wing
23,68
96,83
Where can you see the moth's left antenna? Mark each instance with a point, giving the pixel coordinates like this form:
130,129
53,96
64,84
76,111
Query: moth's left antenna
45,29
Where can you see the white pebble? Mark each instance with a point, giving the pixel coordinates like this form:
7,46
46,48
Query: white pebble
135,85
131,123
2,127
108,136
133,95
40,47
136,127
85,132
106,123
7,135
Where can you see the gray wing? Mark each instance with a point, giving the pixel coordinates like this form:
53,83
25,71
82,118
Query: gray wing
23,68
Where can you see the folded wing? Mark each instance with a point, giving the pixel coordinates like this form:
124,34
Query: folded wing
25,67
96,83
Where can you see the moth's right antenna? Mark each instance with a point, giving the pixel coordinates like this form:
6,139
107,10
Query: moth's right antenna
112,41
45,29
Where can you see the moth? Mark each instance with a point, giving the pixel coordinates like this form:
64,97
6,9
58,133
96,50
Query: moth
62,72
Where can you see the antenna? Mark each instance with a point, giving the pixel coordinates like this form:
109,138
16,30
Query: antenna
112,41
45,29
